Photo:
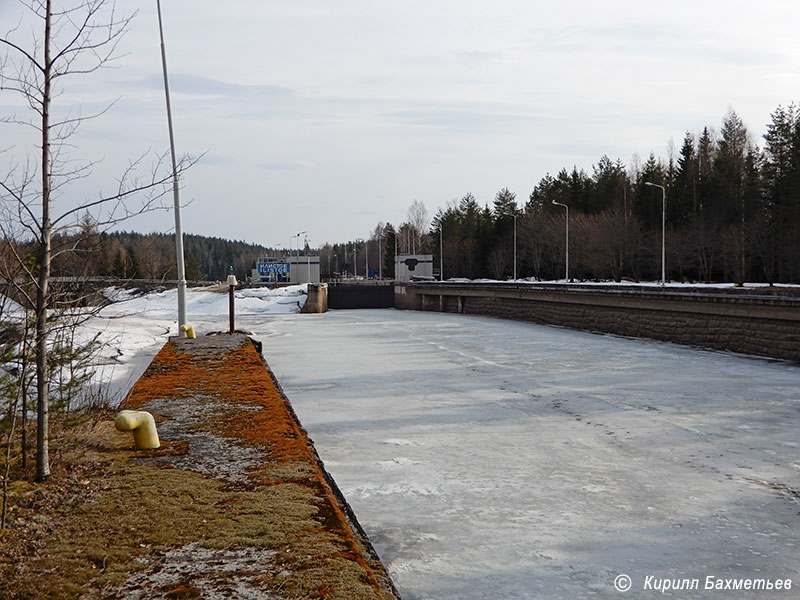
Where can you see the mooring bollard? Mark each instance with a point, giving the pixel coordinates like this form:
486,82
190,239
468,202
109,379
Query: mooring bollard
143,425
231,285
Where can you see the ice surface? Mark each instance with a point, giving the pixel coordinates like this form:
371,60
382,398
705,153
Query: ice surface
495,459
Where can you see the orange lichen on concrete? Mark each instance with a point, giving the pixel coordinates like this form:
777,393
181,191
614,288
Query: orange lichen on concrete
169,375
255,413
238,376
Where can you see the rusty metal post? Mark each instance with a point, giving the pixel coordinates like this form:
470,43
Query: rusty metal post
231,285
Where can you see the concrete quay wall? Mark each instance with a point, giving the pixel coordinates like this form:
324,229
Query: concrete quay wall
360,294
758,321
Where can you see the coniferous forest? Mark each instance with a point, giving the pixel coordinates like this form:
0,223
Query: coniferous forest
130,255
732,215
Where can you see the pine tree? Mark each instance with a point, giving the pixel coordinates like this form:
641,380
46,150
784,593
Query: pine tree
683,193
609,183
389,247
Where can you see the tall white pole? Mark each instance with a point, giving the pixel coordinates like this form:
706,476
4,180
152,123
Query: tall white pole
175,187
663,229
298,255
663,236
515,247
566,260
441,254
291,273
514,214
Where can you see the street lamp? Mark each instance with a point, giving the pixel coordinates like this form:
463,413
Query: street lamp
298,246
663,228
566,268
297,261
515,241
291,274
441,254
308,260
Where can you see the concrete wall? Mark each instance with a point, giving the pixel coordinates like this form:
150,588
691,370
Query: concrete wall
762,322
317,300
364,294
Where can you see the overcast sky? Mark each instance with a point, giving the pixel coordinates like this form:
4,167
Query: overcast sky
332,116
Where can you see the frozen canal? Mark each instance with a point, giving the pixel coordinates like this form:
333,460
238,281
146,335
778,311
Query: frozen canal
499,460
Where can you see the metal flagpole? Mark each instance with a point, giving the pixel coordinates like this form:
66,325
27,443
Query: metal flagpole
175,187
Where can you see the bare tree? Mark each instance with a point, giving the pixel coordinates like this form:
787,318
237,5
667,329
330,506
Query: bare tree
418,219
71,38
497,262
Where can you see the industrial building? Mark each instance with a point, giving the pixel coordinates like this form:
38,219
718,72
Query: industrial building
287,269
409,267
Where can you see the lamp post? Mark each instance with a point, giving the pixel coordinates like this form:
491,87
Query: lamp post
441,253
308,261
298,253
515,240
663,228
175,188
566,268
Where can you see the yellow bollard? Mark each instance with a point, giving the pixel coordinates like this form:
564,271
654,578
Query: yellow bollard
143,425
189,330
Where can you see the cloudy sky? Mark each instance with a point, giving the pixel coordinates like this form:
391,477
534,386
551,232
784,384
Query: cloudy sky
332,116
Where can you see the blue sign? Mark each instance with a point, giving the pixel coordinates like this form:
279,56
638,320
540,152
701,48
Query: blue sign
273,267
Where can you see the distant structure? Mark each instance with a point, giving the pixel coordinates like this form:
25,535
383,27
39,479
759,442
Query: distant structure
287,269
413,267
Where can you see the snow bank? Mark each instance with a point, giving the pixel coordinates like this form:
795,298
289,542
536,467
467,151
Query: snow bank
134,326
10,309
207,302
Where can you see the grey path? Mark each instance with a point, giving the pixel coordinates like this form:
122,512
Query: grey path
501,460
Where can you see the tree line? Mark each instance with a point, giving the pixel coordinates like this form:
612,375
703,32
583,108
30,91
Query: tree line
732,213
131,255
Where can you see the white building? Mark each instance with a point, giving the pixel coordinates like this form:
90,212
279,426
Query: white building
287,269
413,266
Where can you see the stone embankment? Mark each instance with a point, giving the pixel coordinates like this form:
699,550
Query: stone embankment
281,528
759,321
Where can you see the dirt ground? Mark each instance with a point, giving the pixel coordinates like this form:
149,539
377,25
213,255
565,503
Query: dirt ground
235,503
